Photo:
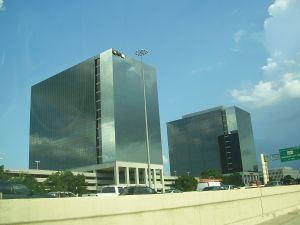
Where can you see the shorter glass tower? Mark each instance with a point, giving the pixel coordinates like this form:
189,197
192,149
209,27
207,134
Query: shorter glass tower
218,138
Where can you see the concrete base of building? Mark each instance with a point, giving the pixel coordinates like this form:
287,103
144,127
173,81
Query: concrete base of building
126,174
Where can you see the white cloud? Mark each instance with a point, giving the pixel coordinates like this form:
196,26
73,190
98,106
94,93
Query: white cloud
238,35
279,6
282,40
1,5
270,92
271,65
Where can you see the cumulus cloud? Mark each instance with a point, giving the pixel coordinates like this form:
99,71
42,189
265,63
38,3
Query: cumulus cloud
271,65
269,92
282,69
1,5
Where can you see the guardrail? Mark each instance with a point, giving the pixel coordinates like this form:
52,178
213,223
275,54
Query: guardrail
249,206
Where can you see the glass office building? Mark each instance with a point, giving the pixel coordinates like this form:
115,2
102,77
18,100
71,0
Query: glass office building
218,138
93,113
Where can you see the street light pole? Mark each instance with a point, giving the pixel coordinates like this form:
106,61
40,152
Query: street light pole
37,164
141,53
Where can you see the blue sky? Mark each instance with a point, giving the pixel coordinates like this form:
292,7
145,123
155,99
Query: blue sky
207,53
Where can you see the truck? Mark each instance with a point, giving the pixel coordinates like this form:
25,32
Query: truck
208,183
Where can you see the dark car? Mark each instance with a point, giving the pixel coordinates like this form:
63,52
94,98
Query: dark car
61,194
173,190
214,188
137,190
13,190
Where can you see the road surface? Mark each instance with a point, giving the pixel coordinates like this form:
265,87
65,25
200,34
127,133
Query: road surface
292,218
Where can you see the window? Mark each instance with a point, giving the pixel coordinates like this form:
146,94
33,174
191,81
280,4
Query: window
108,190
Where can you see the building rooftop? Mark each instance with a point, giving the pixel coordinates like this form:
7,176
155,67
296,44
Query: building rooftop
203,112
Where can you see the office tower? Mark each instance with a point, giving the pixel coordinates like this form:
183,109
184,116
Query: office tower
93,114
218,138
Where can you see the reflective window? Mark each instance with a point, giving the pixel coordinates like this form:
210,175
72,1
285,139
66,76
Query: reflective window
108,190
123,116
69,109
213,139
62,119
193,143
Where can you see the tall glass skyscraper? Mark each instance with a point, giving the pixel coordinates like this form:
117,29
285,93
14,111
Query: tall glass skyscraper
218,138
93,113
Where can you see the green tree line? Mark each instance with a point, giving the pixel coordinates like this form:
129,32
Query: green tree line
60,181
189,183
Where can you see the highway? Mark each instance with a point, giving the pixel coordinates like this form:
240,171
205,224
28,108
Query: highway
292,218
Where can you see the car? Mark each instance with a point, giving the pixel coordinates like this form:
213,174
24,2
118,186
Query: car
61,194
173,190
255,184
137,190
11,190
213,188
110,190
273,183
208,183
230,187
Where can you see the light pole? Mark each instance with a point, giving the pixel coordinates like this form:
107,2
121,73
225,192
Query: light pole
141,53
37,164
188,173
175,173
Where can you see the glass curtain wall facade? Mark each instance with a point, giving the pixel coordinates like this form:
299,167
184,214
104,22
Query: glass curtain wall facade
219,138
62,119
123,117
93,113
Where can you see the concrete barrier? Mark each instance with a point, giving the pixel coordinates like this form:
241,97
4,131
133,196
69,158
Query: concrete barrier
249,206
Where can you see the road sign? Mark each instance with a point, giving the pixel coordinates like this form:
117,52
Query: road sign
289,154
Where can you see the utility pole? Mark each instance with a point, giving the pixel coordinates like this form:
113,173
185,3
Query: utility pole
141,53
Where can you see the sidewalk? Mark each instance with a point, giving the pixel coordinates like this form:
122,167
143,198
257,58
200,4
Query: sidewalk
292,218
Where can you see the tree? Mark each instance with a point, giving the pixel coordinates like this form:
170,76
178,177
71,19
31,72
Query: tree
287,179
211,173
4,176
234,179
29,181
186,183
66,181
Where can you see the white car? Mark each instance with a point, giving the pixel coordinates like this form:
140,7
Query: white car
111,190
230,187
202,185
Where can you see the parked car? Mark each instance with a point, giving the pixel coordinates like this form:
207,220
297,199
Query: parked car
213,188
110,190
208,183
255,184
14,190
273,183
137,190
61,194
230,187
173,190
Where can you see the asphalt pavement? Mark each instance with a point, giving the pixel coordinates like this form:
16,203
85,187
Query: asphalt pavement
292,218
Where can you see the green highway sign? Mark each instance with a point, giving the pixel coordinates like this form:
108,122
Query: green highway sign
289,154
